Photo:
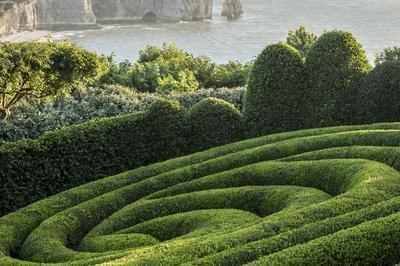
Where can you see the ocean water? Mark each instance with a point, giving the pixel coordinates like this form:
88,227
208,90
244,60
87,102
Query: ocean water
375,23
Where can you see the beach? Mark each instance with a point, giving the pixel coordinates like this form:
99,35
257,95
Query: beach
26,36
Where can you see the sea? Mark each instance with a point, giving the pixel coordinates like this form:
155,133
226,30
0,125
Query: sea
375,24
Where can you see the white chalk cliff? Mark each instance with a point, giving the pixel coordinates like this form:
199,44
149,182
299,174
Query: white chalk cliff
70,14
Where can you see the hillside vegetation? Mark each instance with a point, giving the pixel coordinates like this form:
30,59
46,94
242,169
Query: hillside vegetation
321,196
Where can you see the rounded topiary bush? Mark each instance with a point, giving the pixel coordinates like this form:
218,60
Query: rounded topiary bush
336,65
380,96
214,122
273,101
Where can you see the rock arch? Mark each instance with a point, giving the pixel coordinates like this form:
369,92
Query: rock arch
150,16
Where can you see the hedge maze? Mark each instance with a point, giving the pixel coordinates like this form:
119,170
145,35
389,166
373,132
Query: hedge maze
323,196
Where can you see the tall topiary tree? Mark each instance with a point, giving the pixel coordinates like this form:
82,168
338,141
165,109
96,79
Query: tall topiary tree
34,69
336,65
214,122
380,96
273,101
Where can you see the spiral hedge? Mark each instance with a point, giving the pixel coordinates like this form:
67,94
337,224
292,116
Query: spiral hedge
322,196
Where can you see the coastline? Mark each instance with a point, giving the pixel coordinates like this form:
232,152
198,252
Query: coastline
22,36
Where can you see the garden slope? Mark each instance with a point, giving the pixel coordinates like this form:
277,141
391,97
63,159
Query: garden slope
322,196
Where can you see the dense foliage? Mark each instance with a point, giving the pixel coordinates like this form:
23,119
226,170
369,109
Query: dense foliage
169,68
42,69
380,95
309,197
32,118
329,196
34,169
274,100
77,154
336,65
214,122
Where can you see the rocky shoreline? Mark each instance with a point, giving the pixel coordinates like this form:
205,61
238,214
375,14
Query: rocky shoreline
50,15
23,36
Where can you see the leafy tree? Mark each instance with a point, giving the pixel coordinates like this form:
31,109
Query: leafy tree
34,69
117,73
301,40
391,54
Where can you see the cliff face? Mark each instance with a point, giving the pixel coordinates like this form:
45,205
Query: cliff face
70,14
56,14
14,17
129,10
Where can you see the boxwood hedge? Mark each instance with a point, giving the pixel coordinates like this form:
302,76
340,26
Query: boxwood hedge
321,196
214,122
273,101
34,169
380,94
336,65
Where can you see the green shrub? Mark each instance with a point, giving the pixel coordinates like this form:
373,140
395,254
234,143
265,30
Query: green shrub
233,96
214,122
380,96
274,100
116,74
184,82
336,65
327,196
232,74
34,169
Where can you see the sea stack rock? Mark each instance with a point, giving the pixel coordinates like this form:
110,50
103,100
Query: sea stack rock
232,9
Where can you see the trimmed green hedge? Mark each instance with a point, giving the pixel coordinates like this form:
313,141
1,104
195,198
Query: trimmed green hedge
380,95
336,65
273,101
214,122
314,196
34,169
75,155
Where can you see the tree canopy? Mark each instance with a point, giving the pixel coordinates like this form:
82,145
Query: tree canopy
301,40
42,69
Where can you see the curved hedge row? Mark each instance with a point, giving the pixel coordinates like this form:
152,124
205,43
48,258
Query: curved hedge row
329,196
